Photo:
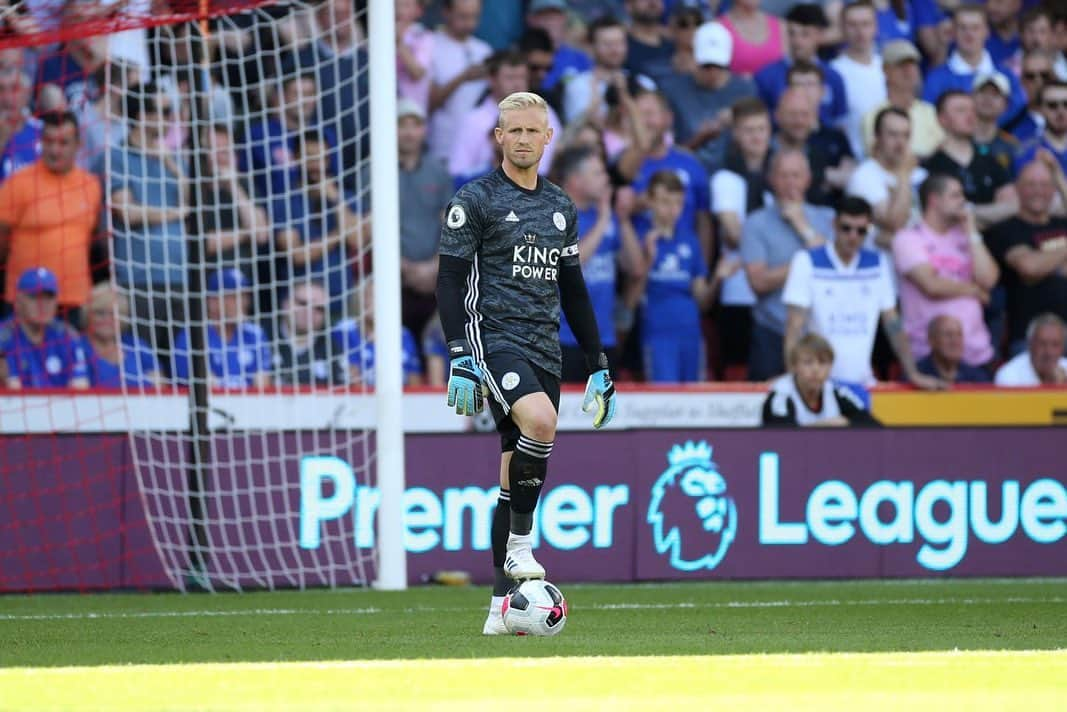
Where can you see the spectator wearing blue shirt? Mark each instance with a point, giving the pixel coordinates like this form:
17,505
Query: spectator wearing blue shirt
355,338
40,350
677,290
568,61
116,357
1053,106
1035,69
968,60
270,150
320,233
606,243
149,203
238,352
1003,41
805,24
640,163
20,132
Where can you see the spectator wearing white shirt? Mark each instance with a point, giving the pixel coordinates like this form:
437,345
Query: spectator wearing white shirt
861,68
888,178
590,94
457,72
1042,364
842,291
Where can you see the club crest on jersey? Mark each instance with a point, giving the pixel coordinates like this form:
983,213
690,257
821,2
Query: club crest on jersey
457,217
559,221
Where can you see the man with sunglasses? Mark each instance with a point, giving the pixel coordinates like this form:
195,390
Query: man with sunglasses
1053,107
1035,71
842,290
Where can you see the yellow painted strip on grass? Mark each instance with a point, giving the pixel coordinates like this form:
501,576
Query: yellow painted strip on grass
974,680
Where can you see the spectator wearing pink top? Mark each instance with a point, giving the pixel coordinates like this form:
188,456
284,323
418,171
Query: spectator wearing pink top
473,150
945,269
758,37
414,52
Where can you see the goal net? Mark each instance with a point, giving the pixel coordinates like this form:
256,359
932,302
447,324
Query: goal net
220,312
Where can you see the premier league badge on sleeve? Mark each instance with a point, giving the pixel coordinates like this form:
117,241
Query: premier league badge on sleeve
457,217
559,221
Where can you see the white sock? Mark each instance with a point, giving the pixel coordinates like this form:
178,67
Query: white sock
520,539
496,603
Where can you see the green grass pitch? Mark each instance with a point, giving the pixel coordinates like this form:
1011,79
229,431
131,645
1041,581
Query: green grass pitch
981,644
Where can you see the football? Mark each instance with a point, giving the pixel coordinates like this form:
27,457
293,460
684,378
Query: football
535,608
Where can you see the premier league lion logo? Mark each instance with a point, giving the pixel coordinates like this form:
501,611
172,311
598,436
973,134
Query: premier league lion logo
692,517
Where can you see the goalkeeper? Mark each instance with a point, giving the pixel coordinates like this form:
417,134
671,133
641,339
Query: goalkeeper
508,262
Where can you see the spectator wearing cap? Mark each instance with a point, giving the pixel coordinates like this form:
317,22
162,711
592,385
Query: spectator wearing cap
649,51
414,52
116,357
49,213
1036,69
1003,41
829,154
567,61
701,101
473,150
320,232
986,185
457,72
1053,107
860,68
769,239
758,37
41,351
427,188
968,60
900,64
805,24
1042,363
592,94
889,177
237,350
149,204
945,360
991,93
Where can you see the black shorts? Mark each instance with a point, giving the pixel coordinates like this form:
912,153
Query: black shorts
509,377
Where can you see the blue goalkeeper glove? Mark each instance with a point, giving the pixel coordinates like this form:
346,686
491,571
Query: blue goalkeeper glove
464,381
600,395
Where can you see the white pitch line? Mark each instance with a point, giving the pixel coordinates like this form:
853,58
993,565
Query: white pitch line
596,607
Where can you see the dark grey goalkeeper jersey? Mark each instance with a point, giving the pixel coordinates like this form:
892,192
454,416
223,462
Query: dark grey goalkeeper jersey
516,241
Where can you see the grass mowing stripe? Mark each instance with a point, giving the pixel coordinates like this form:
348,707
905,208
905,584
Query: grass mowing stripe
983,679
89,615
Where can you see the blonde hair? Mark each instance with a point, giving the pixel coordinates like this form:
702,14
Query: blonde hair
106,296
518,101
813,344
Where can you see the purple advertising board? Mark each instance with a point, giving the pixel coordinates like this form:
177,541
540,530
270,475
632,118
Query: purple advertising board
640,505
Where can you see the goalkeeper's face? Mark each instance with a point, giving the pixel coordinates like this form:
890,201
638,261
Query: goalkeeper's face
523,135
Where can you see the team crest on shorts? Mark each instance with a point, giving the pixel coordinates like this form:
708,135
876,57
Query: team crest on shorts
457,217
559,221
510,380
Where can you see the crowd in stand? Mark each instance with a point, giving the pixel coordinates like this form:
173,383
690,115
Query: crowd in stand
879,185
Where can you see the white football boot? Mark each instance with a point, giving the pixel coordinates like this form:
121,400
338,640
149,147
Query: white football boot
520,564
494,622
